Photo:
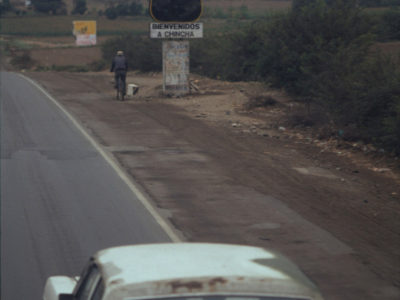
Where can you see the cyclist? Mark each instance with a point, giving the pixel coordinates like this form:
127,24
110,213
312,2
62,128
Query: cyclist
120,66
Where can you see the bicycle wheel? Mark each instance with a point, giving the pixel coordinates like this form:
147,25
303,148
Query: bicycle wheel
117,88
121,89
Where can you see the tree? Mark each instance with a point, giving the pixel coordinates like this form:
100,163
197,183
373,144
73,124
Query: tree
378,3
308,42
79,7
298,4
5,6
49,6
123,8
390,23
135,8
111,13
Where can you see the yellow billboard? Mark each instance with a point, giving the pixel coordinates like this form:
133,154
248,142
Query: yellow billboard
85,32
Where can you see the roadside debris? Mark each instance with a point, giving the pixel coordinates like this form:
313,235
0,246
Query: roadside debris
381,170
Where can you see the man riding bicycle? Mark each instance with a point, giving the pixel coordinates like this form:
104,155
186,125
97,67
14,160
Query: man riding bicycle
120,67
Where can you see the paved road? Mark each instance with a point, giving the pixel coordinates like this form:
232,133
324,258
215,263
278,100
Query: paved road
60,200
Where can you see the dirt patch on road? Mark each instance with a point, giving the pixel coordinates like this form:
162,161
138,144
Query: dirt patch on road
222,173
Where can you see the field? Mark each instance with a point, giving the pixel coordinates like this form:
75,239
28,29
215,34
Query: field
252,5
62,25
32,25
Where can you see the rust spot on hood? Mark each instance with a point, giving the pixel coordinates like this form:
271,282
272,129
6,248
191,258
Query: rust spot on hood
216,280
189,285
116,282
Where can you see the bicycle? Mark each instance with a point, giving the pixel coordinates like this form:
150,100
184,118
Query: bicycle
120,89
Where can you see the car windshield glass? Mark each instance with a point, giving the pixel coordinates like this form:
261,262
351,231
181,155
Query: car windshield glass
89,283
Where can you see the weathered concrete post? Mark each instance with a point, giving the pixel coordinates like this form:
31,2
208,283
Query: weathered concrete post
175,68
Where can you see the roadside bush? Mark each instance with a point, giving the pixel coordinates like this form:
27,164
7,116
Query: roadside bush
64,68
217,13
20,13
143,54
372,102
233,55
134,8
318,39
80,7
69,68
55,7
389,25
378,3
5,6
111,13
23,60
321,54
98,65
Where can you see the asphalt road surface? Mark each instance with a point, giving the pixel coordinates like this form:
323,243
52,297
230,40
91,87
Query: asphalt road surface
61,201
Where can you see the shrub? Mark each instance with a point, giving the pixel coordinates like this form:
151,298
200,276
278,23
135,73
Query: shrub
390,25
321,53
142,53
312,41
69,68
97,66
231,55
79,7
5,6
50,6
373,102
111,13
135,8
23,60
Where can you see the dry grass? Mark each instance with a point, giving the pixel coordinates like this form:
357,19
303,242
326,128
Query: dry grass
392,49
64,57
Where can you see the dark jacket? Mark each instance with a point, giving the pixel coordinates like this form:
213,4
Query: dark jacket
119,63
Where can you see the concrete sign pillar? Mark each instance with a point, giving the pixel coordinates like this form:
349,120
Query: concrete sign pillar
175,68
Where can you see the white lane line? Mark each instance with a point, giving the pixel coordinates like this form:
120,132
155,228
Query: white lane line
135,190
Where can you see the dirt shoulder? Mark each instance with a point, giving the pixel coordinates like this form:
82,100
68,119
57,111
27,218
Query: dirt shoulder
220,173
